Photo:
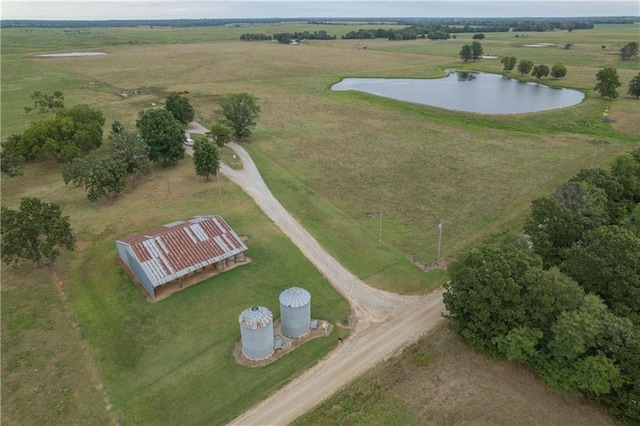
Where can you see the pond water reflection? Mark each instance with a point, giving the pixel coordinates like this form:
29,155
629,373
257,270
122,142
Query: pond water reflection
470,92
69,54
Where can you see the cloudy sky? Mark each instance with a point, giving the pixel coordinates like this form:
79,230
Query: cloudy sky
175,9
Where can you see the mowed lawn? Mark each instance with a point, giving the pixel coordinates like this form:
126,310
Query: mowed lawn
335,159
160,363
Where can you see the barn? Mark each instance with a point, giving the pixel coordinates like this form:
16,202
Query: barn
177,250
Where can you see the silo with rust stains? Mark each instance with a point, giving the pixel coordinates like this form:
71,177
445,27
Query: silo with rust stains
256,331
295,312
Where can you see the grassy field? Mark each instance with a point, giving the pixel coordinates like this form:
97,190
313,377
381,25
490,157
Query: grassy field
441,381
145,351
335,160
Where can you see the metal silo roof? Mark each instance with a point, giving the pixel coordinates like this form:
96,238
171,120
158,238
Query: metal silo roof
255,318
295,297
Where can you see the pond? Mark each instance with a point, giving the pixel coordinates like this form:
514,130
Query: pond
470,92
69,54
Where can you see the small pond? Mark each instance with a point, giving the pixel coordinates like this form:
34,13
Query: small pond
69,54
470,92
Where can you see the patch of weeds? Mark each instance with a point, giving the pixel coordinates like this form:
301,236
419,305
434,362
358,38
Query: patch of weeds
422,358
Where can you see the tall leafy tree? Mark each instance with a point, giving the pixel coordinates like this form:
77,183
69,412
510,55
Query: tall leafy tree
626,169
103,177
558,70
634,86
508,62
164,135
43,102
608,82
180,108
607,263
132,151
88,123
629,51
466,54
241,112
575,362
557,222
484,295
540,71
69,134
205,159
612,188
34,232
476,50
9,157
525,66
220,135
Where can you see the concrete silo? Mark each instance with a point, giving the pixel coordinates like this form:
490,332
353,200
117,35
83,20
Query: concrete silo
295,312
256,330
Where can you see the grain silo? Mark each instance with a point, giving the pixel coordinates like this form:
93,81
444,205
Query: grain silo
256,330
295,312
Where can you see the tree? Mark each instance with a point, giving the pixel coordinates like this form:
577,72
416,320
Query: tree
220,135
466,54
478,36
525,66
558,70
66,136
241,112
508,62
607,262
35,231
634,86
9,158
629,51
484,297
476,50
626,169
132,151
43,102
116,128
608,82
51,136
164,135
612,188
540,71
205,159
103,177
559,221
88,123
180,108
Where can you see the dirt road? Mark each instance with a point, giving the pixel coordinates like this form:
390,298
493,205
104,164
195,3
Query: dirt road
385,322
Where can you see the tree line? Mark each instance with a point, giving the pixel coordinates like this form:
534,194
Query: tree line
564,297
37,230
22,23
70,135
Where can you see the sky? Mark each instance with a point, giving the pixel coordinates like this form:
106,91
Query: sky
212,9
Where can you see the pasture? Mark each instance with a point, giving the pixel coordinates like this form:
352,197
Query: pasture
334,159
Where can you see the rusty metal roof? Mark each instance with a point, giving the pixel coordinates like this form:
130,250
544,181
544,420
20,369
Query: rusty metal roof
178,248
295,297
255,318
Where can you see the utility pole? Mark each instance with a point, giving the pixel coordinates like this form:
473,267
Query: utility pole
440,226
380,231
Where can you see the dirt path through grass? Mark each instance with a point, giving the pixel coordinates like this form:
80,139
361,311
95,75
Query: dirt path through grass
384,322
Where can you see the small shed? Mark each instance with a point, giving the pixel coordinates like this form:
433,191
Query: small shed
170,252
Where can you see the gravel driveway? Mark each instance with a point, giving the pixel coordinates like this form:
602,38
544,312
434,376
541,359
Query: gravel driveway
385,322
